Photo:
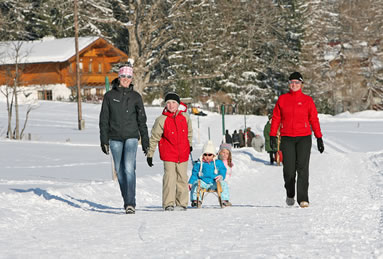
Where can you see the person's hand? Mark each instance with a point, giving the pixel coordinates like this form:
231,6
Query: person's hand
273,142
190,186
149,160
191,149
145,149
320,145
218,178
105,148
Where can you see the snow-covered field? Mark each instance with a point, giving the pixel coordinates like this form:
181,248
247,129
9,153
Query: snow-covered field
58,200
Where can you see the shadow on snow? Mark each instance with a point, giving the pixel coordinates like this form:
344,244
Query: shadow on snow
253,158
93,206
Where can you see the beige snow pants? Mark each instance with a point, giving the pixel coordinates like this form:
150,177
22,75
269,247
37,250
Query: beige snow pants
175,190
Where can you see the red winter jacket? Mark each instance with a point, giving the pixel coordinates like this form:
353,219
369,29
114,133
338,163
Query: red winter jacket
295,112
173,133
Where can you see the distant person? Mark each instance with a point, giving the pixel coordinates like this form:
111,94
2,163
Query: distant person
242,142
296,113
228,138
235,138
266,134
209,170
249,135
173,133
122,123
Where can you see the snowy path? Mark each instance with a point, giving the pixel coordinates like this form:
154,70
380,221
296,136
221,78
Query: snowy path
57,200
86,219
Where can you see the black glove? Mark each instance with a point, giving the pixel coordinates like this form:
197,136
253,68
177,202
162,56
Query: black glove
145,145
191,149
273,142
105,148
145,149
320,145
149,160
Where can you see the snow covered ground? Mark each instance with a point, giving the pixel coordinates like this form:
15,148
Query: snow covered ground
58,200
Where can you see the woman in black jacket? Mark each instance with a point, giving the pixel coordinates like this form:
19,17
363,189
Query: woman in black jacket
122,123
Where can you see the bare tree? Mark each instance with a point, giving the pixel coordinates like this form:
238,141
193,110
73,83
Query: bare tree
149,36
13,60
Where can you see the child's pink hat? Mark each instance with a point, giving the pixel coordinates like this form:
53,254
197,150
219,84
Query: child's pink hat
224,146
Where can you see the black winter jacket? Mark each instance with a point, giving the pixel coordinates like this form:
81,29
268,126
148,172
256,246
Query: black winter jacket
123,116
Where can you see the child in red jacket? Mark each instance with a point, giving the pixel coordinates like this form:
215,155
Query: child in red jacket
172,131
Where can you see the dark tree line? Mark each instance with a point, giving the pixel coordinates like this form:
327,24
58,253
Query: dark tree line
238,51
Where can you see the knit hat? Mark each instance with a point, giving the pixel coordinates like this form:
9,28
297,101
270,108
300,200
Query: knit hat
224,146
172,96
209,148
296,76
125,71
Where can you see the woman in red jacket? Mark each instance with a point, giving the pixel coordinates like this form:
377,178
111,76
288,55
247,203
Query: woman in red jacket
296,115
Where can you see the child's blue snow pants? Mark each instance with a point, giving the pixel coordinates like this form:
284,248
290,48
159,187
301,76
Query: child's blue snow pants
225,189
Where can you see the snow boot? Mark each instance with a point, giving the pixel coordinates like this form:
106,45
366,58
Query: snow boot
226,203
195,204
304,204
169,208
130,210
290,201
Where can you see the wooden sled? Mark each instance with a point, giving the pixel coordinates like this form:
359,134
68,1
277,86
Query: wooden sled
278,157
201,192
278,154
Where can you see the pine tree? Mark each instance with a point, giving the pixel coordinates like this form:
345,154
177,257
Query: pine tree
320,57
13,20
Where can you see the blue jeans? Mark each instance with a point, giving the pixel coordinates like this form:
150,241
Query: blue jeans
225,189
124,156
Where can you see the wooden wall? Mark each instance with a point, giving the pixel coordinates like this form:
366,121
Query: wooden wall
97,60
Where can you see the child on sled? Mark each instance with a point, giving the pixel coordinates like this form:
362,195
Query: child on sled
209,170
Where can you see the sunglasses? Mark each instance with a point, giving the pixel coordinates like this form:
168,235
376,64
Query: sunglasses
125,76
296,82
208,155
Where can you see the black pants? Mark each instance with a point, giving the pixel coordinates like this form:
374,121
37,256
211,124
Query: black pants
296,158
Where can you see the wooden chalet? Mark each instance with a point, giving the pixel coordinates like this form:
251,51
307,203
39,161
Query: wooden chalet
52,61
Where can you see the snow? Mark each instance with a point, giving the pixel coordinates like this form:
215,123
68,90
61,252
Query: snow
46,50
30,94
58,199
332,53
376,63
249,75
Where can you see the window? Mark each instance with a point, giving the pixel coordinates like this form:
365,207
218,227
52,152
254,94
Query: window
90,67
87,92
81,66
99,68
45,95
99,91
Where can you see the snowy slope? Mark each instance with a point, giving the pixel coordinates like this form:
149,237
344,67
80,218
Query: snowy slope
57,198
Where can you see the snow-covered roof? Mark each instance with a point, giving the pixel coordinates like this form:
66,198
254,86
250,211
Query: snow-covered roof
41,51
